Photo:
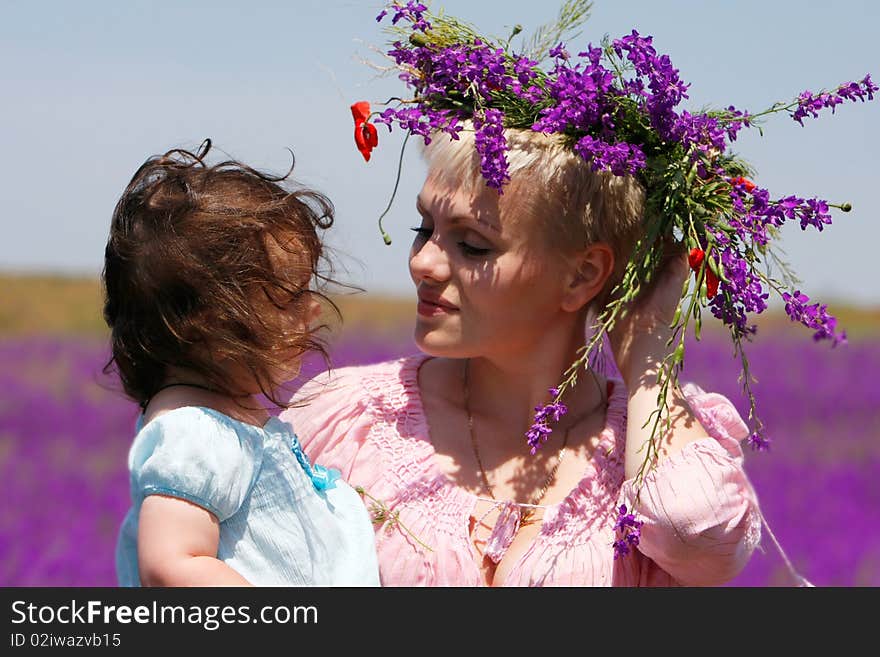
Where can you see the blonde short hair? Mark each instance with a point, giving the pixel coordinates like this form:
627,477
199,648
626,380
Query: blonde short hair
555,187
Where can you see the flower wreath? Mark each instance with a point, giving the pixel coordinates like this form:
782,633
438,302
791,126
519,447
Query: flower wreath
615,104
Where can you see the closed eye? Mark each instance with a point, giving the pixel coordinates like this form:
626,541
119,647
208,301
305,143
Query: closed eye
473,251
469,250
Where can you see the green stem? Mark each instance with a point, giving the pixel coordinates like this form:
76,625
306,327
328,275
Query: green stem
747,380
385,236
396,521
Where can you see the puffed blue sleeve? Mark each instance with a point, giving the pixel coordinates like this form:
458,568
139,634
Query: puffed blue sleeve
198,455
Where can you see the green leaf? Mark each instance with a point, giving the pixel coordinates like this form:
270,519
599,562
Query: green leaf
572,14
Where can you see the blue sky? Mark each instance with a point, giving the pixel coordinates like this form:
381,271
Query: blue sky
90,89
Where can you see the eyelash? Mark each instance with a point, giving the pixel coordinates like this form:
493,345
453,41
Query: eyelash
467,249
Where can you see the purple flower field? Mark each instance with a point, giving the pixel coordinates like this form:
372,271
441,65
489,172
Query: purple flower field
65,432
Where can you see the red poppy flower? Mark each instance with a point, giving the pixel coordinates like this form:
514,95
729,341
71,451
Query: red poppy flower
745,182
365,135
695,261
711,283
360,111
695,258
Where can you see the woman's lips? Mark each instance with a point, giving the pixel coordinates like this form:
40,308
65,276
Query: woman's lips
431,308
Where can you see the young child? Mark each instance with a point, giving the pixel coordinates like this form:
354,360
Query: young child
206,279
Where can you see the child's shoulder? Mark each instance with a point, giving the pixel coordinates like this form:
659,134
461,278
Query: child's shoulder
194,434
201,421
198,454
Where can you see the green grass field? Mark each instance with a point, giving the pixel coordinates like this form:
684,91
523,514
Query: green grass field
60,305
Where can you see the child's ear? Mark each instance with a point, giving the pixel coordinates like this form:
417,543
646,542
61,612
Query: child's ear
590,270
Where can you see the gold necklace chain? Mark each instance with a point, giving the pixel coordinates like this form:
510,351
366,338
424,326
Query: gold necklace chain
526,512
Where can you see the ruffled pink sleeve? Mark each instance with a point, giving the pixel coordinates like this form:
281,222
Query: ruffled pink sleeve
700,512
330,419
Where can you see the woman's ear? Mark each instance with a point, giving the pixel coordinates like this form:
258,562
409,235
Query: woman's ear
590,270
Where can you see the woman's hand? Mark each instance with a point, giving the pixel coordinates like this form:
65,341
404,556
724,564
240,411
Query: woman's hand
638,340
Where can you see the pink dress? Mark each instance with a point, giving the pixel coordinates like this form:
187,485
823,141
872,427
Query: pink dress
700,514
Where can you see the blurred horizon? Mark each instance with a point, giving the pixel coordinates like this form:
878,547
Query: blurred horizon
60,303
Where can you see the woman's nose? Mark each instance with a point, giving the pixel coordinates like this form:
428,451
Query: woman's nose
428,260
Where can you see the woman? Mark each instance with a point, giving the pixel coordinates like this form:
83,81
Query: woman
506,284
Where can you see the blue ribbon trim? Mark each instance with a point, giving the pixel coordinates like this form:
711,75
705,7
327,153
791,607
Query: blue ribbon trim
322,478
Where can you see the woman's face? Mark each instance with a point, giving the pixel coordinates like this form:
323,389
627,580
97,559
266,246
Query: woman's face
487,284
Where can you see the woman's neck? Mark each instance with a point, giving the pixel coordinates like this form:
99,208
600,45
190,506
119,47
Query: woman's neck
511,385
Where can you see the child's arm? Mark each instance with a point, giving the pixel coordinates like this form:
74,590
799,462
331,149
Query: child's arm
177,545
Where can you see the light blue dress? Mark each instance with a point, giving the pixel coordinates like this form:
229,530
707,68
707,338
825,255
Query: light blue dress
283,521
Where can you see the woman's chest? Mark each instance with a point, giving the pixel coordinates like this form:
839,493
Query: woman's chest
562,545
432,491
449,538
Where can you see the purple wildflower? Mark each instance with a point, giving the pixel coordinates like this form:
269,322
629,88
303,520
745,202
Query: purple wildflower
700,131
758,442
559,52
620,158
734,120
813,316
810,104
810,212
741,292
412,11
629,531
580,97
491,144
863,90
592,54
539,432
666,89
523,86
412,119
754,211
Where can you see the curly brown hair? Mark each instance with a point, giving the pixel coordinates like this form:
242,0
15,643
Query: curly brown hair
195,257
